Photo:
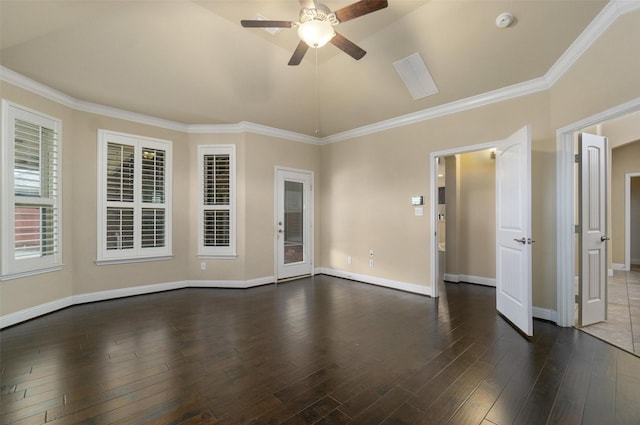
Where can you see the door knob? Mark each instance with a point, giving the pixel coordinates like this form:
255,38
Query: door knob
604,238
521,240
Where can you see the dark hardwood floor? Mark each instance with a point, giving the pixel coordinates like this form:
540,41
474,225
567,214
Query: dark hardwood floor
314,351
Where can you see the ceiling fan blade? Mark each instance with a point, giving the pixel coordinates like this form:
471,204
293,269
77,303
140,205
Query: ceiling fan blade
348,47
360,8
298,54
247,23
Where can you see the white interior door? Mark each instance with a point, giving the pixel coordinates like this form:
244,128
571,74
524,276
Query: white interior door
294,223
592,256
513,229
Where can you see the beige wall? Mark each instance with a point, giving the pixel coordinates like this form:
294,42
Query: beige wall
366,185
452,195
477,212
634,227
87,276
257,157
624,159
19,294
263,155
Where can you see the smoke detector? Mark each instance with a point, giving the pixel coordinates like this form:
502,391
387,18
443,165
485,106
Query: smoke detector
504,20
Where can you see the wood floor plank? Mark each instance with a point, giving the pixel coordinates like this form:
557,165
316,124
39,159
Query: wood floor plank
318,350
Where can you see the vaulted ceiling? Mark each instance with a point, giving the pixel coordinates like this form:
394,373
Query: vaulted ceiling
190,61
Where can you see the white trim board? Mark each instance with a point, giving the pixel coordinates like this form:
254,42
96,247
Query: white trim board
607,16
50,307
476,280
545,314
379,281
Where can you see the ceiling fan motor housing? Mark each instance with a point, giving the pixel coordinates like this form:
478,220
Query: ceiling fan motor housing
319,13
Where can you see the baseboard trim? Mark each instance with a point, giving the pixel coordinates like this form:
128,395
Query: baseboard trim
387,283
545,314
231,284
477,280
618,266
127,292
46,308
454,278
32,312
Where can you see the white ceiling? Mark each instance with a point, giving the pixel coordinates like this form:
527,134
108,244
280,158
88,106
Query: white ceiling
192,62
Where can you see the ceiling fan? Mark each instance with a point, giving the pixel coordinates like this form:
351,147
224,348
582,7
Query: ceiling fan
315,27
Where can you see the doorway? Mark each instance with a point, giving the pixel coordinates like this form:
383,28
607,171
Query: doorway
512,226
466,218
632,222
566,185
294,223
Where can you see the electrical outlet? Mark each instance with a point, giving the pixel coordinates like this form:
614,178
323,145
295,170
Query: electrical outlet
371,262
203,265
349,260
371,253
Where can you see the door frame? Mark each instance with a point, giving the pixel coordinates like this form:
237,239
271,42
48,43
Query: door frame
565,197
310,210
627,219
433,196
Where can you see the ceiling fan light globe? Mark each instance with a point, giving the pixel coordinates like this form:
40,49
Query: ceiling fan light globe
316,33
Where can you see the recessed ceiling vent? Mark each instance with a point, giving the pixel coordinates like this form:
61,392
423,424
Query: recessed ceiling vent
416,76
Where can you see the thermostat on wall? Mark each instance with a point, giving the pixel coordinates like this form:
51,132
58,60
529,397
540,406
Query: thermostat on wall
417,200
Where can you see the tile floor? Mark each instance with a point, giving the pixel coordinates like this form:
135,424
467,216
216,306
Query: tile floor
622,327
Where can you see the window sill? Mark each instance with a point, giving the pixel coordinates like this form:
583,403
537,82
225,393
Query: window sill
217,257
19,275
132,260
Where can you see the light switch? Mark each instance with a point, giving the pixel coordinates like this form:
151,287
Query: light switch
419,211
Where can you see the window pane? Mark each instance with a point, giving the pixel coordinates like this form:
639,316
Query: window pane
35,231
216,228
216,179
153,227
119,228
153,175
293,222
48,161
35,158
120,172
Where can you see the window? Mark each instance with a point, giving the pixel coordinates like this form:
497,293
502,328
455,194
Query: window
134,198
217,221
31,188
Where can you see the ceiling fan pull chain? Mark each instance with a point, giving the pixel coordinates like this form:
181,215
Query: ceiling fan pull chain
317,132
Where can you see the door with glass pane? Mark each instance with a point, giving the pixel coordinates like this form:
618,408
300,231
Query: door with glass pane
294,223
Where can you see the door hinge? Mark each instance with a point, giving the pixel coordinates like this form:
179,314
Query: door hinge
577,299
576,158
577,228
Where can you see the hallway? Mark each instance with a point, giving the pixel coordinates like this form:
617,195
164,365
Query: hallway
622,328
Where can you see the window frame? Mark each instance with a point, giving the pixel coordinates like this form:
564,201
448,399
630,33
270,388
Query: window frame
217,252
10,266
137,253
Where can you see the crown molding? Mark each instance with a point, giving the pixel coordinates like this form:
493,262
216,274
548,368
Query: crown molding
607,16
249,127
484,99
